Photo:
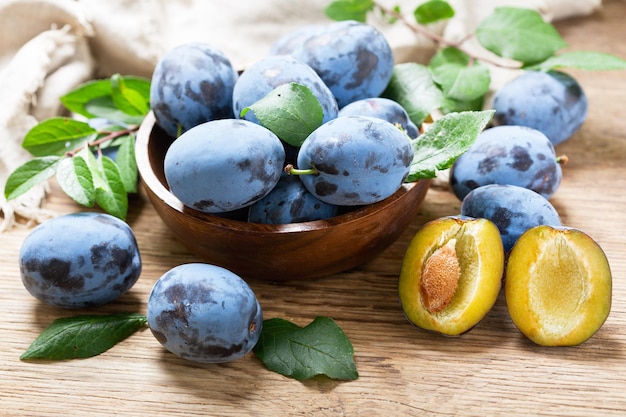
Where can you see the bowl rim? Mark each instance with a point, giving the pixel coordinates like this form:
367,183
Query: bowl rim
154,185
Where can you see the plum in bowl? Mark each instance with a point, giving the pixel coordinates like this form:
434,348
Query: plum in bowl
274,252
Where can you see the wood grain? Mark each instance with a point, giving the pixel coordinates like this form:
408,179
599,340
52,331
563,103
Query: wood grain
492,370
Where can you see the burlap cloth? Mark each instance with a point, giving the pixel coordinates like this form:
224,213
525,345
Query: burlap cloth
48,47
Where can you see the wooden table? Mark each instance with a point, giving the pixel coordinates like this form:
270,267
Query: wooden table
492,370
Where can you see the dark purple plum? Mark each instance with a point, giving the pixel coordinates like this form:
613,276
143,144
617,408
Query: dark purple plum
512,208
224,165
204,313
515,155
80,260
357,159
552,102
382,108
353,59
191,84
290,202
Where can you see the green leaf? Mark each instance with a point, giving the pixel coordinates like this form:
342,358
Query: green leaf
95,99
520,34
75,179
83,336
111,193
349,9
461,82
56,136
433,11
584,60
29,174
450,105
130,101
444,141
412,86
291,111
321,348
127,164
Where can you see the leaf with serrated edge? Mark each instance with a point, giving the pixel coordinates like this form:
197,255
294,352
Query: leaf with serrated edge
444,141
56,136
111,194
75,179
32,172
412,86
583,60
83,336
320,348
520,34
290,111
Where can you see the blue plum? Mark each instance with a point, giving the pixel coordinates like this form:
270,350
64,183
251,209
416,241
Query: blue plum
272,71
353,59
290,202
286,43
204,313
382,108
552,102
515,155
512,208
356,159
223,165
78,260
191,84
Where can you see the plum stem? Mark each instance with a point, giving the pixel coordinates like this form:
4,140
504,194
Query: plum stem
291,170
562,159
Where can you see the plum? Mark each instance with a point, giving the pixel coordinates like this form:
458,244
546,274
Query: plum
290,202
515,155
223,165
552,102
78,260
383,108
204,313
512,208
272,71
353,59
354,160
558,286
451,274
191,84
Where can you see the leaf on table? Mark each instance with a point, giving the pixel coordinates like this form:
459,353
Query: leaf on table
412,86
433,11
461,82
291,111
583,60
29,174
75,179
320,348
83,336
520,34
56,136
444,141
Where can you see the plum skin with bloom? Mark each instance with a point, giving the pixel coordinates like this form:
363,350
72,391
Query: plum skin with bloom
79,260
204,313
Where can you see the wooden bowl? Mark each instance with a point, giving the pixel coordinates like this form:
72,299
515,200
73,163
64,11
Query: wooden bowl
293,251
